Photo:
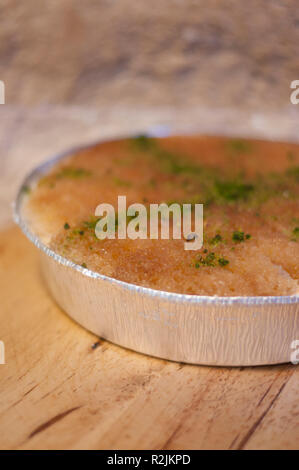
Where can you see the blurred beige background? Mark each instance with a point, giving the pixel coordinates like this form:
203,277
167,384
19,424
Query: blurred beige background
158,53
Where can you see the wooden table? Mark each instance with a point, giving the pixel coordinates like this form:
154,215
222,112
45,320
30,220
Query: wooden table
57,392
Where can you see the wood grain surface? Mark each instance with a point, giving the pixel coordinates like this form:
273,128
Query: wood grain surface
58,391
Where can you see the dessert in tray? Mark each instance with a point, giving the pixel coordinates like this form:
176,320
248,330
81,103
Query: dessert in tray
250,195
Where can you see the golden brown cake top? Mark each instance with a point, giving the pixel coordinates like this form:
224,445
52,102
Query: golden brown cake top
250,194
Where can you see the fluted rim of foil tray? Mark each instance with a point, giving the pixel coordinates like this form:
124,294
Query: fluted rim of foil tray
134,288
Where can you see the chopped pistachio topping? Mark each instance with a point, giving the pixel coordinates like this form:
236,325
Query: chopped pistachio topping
91,223
223,262
295,234
215,240
233,190
64,173
211,259
169,161
26,189
214,187
120,182
76,173
239,236
293,172
239,146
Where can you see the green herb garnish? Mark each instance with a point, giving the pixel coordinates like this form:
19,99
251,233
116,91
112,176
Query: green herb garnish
233,190
26,189
215,240
295,232
169,161
74,173
120,182
293,172
64,173
239,146
91,224
142,142
239,236
211,259
216,186
78,231
290,156
223,262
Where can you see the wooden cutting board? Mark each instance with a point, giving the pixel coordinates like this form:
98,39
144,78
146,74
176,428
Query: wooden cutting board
57,391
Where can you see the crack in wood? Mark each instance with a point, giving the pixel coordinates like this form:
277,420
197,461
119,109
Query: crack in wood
57,387
258,422
172,435
233,442
52,421
29,391
265,394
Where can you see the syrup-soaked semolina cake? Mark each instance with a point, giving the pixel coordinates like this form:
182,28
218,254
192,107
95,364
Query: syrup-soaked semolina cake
250,193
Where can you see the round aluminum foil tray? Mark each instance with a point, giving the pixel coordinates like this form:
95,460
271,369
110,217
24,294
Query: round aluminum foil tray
222,331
